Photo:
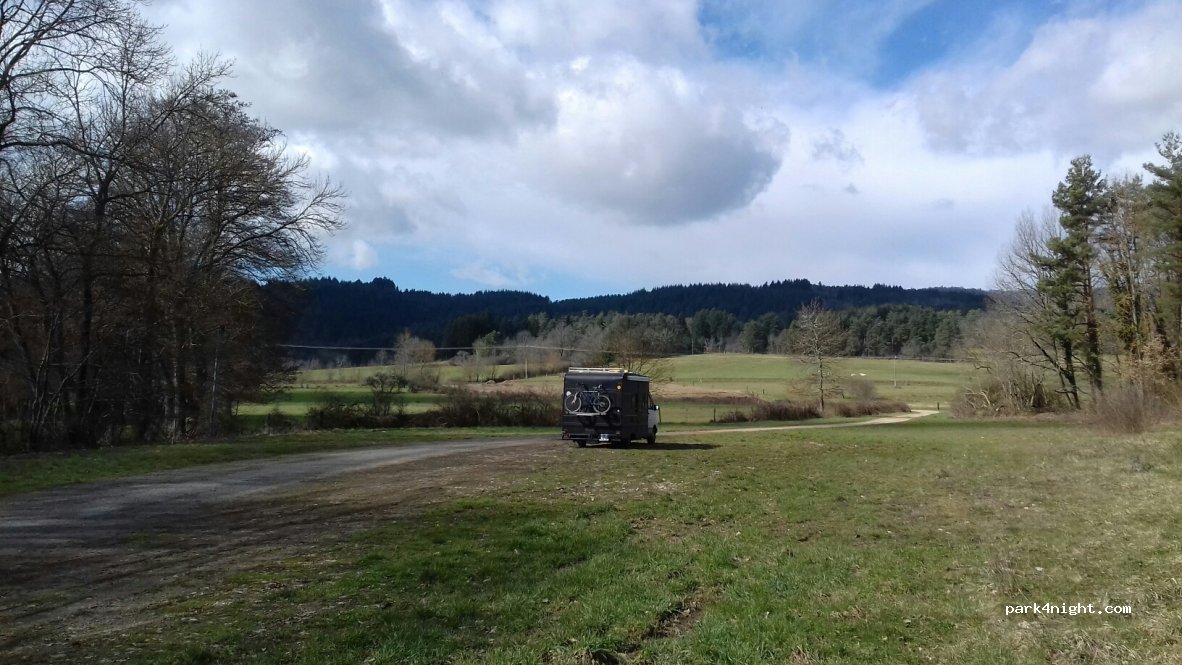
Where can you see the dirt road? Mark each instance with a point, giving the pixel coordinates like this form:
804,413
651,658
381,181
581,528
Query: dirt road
884,420
98,513
86,561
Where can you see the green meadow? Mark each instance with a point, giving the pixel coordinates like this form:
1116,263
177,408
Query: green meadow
921,384
895,544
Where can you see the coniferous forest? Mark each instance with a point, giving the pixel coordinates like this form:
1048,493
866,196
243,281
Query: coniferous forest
878,320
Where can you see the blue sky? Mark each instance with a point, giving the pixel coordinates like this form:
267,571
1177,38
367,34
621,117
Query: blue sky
491,144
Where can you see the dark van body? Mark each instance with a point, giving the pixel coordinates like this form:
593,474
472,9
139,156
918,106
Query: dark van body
607,405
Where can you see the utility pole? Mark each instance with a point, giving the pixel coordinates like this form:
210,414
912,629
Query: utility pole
213,393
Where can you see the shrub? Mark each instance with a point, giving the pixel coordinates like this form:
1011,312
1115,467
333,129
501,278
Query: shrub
1009,392
856,409
785,410
386,394
733,416
461,407
277,421
1127,409
861,389
334,412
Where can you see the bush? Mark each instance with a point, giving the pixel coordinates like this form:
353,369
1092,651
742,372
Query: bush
334,412
276,421
510,373
861,389
1127,409
785,410
861,408
734,416
462,407
1008,392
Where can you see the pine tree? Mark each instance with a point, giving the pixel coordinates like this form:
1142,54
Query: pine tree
1081,200
1165,210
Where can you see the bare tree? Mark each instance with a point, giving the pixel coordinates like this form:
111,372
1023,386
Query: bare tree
413,359
1033,310
995,342
642,343
1126,247
817,336
139,215
52,48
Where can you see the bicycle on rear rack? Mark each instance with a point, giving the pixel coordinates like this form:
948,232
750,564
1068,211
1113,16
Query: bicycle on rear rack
587,402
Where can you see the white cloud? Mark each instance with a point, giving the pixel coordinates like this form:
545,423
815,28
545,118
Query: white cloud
650,144
835,146
483,142
1098,84
564,30
363,255
496,277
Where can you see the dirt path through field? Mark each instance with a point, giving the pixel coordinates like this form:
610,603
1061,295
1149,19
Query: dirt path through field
885,420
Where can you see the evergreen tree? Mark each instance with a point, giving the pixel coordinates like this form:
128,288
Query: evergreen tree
1081,200
1165,210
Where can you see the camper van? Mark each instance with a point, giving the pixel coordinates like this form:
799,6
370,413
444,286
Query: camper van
607,405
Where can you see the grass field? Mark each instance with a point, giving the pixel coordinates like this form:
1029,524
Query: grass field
921,384
297,401
764,376
896,544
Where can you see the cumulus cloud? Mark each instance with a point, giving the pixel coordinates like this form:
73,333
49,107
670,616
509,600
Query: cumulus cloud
564,30
360,66
363,255
473,136
650,144
834,145
1084,84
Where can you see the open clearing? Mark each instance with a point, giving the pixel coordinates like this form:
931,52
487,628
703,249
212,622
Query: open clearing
700,387
901,543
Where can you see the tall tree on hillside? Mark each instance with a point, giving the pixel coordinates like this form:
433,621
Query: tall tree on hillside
1165,210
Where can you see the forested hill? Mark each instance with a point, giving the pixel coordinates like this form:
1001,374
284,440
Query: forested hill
782,298
330,312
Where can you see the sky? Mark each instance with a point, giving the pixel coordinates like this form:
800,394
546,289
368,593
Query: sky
574,148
